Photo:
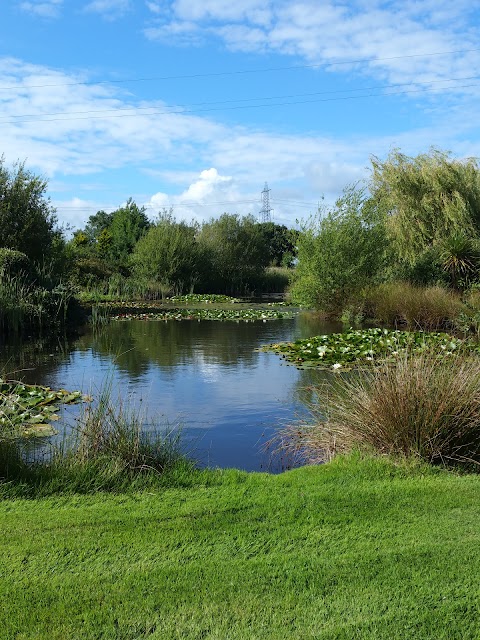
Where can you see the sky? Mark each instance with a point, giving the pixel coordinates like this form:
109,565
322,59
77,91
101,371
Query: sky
196,104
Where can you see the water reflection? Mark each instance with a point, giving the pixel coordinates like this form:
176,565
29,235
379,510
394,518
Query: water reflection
206,375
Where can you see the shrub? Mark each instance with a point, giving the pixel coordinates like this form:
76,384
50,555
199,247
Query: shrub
422,406
13,263
339,253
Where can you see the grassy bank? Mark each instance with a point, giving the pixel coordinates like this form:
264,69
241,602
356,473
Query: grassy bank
353,549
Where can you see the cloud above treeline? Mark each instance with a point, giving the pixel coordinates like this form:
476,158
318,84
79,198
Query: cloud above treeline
65,128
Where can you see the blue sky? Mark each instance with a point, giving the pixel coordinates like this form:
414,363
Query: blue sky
196,103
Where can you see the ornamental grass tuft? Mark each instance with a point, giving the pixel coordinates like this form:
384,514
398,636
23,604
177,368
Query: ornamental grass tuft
422,406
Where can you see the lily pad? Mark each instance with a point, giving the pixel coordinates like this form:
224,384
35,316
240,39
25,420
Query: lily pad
26,410
363,347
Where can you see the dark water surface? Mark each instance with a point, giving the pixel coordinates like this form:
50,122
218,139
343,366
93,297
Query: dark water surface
205,376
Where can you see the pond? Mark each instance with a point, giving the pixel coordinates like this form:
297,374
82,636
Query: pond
206,377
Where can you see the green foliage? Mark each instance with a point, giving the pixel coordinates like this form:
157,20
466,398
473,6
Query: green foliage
14,263
28,410
340,252
27,308
128,225
275,280
138,313
460,256
27,219
168,254
204,297
428,198
233,254
88,271
280,243
97,224
425,269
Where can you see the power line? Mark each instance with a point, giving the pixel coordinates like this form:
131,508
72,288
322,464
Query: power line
277,97
187,203
238,107
241,71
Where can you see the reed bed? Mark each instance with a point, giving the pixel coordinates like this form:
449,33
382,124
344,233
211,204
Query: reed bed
401,303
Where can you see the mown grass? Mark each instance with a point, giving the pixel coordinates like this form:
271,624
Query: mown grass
358,548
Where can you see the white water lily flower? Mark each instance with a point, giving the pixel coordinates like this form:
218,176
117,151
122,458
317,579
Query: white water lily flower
337,365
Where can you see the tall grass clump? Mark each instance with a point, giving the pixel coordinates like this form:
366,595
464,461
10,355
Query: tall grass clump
423,406
108,450
416,307
274,280
115,431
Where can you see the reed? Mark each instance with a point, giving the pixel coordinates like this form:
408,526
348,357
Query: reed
401,303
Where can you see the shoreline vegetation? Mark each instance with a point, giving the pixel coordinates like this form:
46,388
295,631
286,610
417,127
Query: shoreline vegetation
115,533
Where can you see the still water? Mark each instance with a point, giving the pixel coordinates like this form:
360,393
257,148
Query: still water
207,377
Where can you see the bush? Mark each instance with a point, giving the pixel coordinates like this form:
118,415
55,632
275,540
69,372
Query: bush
14,263
422,406
340,253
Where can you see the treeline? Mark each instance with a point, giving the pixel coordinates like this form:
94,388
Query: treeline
225,255
415,222
123,253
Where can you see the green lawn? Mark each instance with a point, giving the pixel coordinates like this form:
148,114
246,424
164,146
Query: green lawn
353,549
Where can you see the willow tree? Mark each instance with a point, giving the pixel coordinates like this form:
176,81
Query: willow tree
428,198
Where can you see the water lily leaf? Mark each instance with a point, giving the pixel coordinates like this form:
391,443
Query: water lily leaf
39,430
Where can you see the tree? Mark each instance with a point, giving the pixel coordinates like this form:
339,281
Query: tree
234,253
28,221
280,243
97,224
339,252
128,224
428,198
168,254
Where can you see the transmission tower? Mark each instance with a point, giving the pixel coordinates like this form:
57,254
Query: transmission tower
265,212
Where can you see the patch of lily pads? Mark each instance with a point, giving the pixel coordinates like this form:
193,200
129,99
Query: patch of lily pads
28,410
204,298
363,347
207,314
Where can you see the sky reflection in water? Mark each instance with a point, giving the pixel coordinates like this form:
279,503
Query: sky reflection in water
205,376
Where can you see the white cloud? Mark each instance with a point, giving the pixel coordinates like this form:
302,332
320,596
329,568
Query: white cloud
388,35
201,166
109,9
44,9
207,196
74,213
155,7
